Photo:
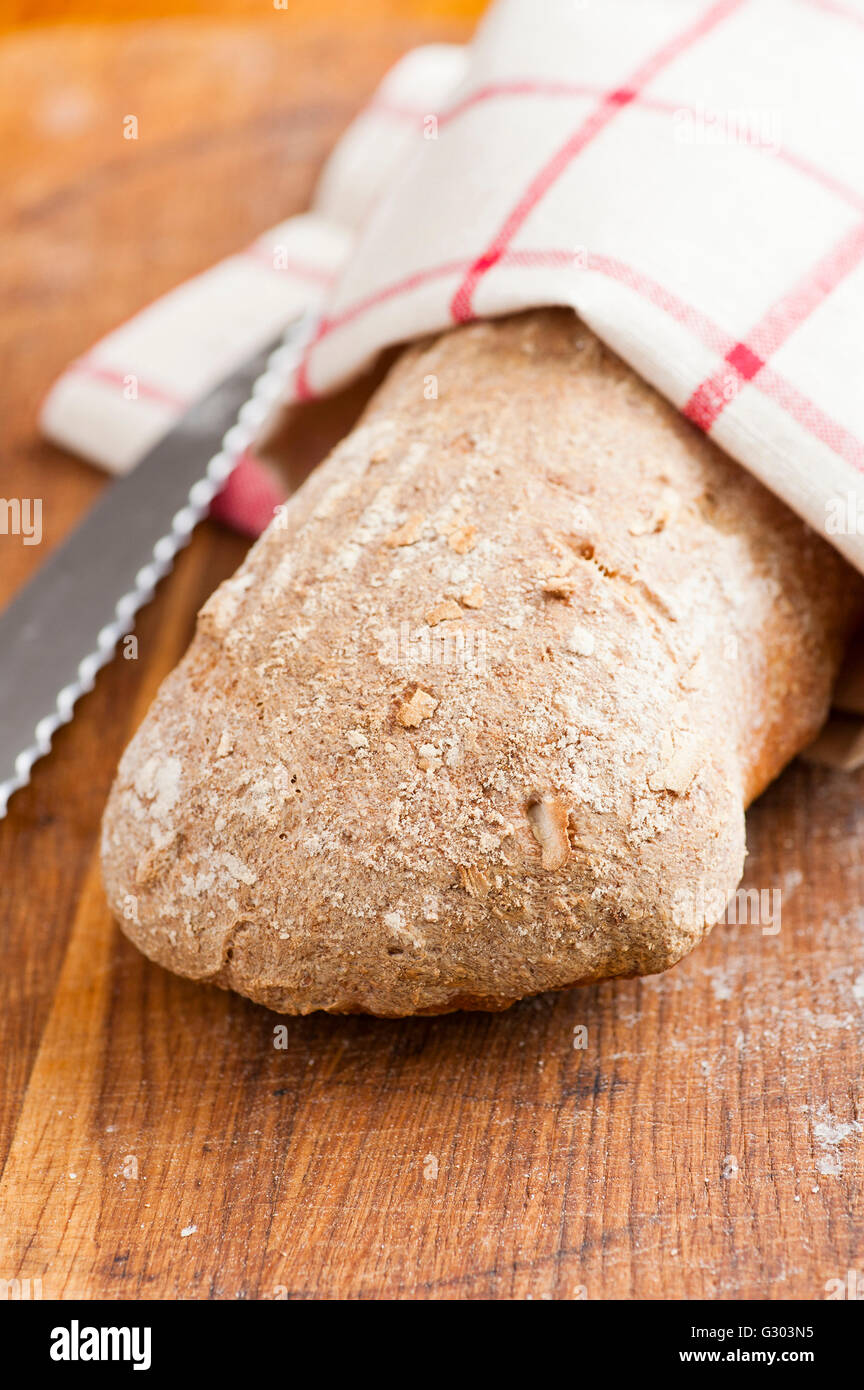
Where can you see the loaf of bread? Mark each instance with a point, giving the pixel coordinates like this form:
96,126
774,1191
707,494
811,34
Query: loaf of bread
480,714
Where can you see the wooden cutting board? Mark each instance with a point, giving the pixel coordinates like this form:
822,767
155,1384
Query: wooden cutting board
706,1141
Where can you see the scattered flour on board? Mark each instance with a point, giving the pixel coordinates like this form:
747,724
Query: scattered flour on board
829,1134
789,882
721,984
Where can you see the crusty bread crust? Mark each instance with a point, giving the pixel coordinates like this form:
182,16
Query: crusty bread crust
480,714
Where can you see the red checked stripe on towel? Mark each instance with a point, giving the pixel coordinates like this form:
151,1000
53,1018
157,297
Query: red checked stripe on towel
743,361
770,370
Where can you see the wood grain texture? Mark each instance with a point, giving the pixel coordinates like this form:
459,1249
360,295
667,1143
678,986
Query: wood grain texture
706,1142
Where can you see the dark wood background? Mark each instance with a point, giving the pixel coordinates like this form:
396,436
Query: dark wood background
706,1143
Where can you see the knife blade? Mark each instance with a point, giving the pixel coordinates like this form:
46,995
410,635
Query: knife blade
66,622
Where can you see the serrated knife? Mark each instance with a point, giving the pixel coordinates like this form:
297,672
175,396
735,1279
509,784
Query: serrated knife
65,624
